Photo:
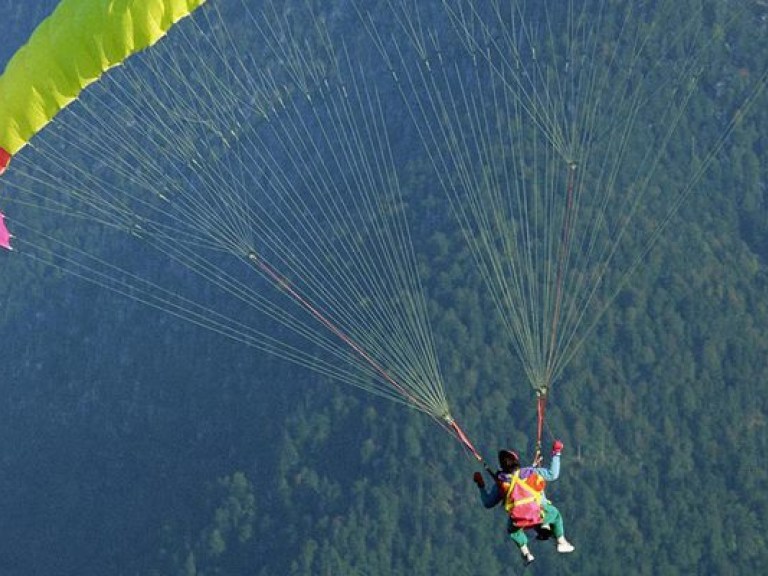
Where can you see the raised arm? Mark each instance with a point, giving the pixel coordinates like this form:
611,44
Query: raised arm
553,472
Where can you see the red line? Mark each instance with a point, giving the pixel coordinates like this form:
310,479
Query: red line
540,410
464,440
283,283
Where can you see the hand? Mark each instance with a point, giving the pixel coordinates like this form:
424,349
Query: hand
478,478
557,447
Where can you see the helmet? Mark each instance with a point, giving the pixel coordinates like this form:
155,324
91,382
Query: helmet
508,460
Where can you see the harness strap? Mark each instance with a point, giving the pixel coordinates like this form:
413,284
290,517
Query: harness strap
535,495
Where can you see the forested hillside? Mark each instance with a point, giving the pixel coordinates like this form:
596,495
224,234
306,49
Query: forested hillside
136,443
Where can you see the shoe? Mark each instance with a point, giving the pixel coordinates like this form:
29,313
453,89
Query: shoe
563,546
528,559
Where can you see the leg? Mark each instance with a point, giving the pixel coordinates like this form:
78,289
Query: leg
553,517
518,536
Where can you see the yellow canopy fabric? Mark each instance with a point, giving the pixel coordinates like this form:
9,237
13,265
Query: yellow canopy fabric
71,49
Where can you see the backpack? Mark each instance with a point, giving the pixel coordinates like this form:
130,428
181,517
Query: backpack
523,498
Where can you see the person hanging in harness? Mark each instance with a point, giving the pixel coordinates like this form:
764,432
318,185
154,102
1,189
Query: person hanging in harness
522,492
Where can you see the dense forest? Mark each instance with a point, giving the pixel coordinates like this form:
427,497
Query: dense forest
136,443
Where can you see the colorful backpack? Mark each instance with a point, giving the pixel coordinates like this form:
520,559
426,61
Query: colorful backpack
523,497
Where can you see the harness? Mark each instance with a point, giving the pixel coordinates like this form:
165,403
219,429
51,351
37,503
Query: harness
523,497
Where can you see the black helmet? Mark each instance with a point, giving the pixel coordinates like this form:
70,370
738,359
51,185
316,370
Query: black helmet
508,460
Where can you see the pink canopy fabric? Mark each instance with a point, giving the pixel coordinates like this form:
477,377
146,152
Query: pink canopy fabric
5,236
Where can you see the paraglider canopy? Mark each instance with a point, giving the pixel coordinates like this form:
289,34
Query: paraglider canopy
68,51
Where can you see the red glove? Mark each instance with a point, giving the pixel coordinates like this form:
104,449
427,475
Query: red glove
478,478
557,447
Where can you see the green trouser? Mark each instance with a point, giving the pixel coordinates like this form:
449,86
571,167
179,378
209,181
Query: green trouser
551,516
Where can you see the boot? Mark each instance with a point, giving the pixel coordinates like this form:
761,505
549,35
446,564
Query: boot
563,546
528,558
